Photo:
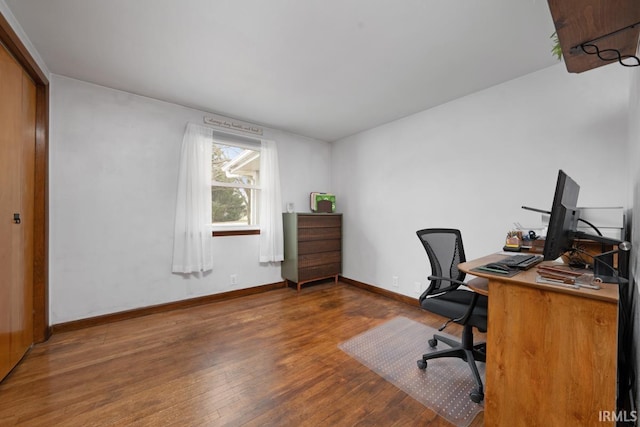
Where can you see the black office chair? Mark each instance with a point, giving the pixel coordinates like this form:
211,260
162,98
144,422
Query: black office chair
467,308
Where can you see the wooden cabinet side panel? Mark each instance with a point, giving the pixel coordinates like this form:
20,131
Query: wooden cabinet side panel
551,357
289,267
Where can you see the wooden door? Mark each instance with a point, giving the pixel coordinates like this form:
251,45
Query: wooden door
17,151
22,314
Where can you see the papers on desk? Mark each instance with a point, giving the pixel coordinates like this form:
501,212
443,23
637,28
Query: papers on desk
541,279
488,270
559,276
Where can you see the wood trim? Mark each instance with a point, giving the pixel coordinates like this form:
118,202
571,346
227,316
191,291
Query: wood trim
160,308
14,45
41,330
376,290
224,233
207,299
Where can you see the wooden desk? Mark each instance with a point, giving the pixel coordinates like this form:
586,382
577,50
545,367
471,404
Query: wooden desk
479,286
551,351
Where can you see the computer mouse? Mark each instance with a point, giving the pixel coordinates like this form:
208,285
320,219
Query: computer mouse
497,266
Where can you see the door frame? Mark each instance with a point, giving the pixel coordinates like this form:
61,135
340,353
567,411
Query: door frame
10,40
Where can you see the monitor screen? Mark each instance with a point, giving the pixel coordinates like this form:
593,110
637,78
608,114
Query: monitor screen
564,217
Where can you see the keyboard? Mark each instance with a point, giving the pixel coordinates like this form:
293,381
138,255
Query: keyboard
523,261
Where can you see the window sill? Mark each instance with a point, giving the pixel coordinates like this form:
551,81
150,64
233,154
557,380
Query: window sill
245,232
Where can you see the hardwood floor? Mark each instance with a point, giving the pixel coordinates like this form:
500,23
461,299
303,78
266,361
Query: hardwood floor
270,359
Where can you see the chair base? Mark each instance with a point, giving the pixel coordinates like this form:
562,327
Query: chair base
464,350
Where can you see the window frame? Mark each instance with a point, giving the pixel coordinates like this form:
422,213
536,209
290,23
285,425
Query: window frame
218,230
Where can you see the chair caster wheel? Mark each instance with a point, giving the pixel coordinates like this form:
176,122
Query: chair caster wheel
422,364
433,342
476,396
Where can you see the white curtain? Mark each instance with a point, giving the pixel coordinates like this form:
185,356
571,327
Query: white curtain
271,234
192,245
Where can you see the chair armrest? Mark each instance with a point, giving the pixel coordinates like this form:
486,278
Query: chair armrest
465,317
453,287
474,300
448,279
456,284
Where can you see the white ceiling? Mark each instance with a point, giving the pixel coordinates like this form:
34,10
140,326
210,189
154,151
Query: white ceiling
320,68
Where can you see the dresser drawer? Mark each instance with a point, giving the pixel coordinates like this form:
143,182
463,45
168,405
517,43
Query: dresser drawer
319,233
312,260
319,271
317,246
312,221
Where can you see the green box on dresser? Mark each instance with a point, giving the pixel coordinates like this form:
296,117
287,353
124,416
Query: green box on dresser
312,247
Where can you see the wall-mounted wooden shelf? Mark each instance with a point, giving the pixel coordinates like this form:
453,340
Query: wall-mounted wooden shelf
582,21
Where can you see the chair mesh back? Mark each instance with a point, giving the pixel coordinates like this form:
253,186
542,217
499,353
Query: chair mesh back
445,251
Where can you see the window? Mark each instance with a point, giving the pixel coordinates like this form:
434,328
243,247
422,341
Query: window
223,180
235,185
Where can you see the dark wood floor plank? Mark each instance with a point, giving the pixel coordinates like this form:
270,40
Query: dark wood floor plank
268,359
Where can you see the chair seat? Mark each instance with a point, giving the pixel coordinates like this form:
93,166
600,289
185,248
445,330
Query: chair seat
454,304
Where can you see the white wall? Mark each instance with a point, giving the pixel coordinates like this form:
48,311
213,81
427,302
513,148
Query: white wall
472,163
114,160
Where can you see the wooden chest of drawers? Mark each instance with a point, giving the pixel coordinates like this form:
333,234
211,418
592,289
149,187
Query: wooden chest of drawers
312,247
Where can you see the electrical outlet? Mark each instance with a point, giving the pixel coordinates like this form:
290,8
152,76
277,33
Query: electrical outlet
234,279
395,282
418,287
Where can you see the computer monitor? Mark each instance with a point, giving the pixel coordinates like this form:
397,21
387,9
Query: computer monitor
564,217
